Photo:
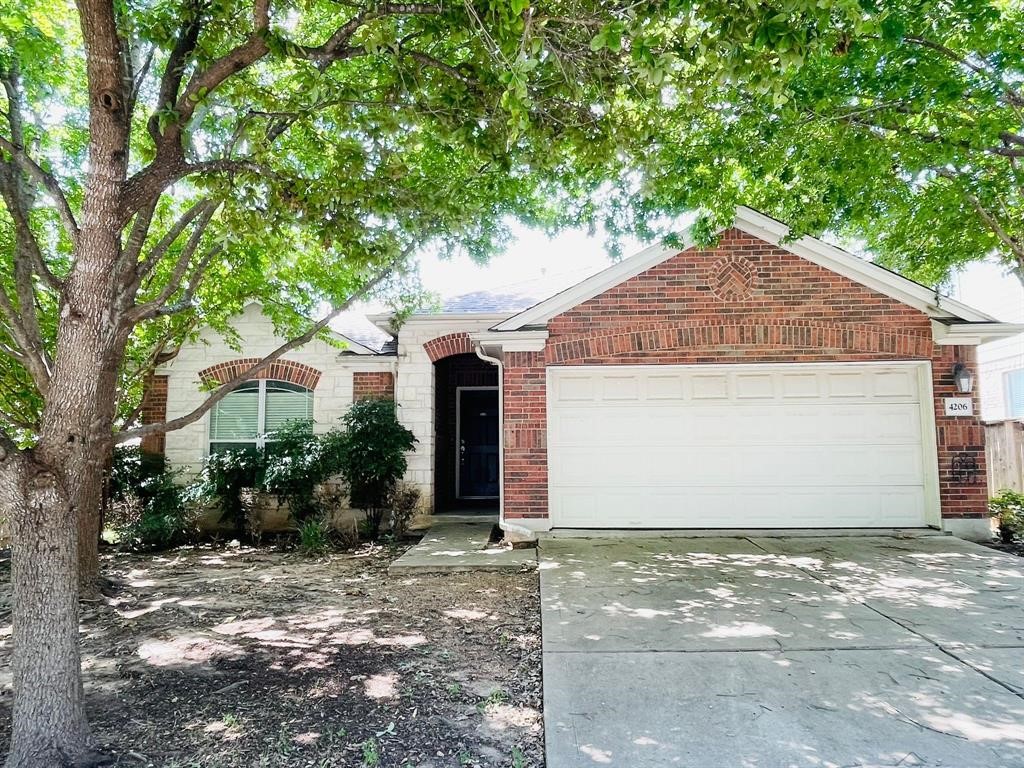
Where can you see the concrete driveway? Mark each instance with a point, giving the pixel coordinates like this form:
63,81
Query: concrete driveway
770,652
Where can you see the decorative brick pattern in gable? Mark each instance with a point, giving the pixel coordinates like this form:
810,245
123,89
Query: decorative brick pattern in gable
373,384
280,370
154,411
448,345
777,307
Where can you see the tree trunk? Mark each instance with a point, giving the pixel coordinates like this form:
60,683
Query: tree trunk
49,727
89,495
60,487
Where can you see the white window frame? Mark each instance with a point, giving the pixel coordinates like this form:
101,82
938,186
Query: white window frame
260,440
1008,393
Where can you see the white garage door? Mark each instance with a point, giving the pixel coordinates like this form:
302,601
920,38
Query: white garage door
740,446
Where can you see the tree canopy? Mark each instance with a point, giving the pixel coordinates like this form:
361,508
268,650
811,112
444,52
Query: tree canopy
898,125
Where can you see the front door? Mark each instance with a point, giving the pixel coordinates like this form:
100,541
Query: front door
477,474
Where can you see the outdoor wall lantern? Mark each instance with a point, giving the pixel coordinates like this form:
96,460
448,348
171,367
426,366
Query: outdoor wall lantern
963,378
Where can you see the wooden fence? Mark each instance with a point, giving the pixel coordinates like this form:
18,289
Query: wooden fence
1004,449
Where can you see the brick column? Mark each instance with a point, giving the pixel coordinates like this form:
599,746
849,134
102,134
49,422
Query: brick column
526,437
154,411
960,440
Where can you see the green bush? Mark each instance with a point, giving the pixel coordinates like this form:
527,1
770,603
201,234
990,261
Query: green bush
224,480
1008,508
147,509
296,462
373,457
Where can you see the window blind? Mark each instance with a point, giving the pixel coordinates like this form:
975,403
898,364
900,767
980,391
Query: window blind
287,403
1015,394
236,417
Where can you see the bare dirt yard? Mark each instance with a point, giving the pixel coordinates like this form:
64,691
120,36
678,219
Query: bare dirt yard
217,657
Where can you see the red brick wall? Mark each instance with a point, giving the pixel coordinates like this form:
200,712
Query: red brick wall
525,432
746,301
376,384
958,435
154,411
280,370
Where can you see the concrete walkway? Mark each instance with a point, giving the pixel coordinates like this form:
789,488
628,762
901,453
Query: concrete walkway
770,652
460,545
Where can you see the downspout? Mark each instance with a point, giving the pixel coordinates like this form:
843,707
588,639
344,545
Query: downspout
504,524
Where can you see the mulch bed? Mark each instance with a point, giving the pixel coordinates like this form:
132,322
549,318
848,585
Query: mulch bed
219,657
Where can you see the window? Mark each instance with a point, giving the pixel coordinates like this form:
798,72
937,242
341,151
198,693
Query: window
251,413
1015,394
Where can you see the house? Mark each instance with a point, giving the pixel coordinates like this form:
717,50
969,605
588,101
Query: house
766,382
1000,363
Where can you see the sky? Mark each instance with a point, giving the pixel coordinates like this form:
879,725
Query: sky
533,259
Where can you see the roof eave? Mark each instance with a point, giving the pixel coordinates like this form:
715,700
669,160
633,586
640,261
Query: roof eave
973,333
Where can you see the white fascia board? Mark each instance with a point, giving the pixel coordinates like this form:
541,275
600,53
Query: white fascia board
593,286
855,268
973,334
512,341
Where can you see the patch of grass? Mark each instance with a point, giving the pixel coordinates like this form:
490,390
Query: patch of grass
371,753
497,696
314,537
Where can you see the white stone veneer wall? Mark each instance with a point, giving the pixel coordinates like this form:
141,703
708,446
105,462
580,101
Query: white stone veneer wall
187,447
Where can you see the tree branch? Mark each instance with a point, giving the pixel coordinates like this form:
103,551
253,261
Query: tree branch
159,250
225,389
1015,246
177,60
48,182
1013,97
153,307
35,360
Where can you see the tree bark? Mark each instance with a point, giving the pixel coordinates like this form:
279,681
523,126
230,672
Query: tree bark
49,727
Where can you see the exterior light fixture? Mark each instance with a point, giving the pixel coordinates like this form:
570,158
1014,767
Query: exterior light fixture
963,378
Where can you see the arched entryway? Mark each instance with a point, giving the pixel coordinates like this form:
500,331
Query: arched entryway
466,445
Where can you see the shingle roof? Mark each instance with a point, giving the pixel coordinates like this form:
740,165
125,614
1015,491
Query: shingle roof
490,301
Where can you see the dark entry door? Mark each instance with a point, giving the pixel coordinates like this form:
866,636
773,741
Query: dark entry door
478,444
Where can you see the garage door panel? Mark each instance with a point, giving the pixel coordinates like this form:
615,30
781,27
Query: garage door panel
751,446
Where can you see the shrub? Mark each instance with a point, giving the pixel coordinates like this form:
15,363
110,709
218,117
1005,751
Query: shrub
1008,508
402,503
373,457
148,511
296,462
223,482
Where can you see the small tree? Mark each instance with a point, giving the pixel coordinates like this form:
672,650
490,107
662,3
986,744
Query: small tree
373,453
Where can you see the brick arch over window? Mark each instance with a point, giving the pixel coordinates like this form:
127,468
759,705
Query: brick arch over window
280,370
448,345
758,341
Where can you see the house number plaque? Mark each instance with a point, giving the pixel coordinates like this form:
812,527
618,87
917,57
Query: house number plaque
959,406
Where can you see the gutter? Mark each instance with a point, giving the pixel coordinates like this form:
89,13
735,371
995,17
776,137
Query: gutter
504,524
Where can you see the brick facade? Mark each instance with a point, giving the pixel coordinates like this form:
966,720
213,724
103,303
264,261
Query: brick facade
373,384
743,301
154,411
280,370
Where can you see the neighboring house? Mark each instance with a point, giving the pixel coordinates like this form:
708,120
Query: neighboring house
761,383
1000,363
